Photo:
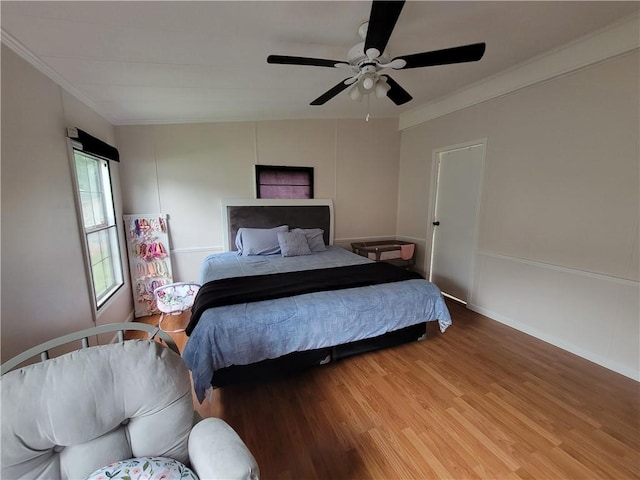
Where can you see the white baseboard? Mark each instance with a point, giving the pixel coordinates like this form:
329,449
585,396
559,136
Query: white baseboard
602,361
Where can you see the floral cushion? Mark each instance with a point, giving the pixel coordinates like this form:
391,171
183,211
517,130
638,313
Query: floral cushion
144,468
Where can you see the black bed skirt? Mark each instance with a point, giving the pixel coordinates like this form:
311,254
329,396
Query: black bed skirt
273,369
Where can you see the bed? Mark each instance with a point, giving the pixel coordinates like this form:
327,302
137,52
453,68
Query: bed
260,316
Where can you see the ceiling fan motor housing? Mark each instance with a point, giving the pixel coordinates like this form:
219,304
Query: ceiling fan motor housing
357,58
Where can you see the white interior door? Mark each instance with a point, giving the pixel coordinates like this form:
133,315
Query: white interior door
459,177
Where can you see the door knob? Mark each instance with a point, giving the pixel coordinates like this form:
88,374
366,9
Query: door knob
436,223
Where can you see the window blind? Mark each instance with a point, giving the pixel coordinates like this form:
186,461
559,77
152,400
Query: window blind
93,145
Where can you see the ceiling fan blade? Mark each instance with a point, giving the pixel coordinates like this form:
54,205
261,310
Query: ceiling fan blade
328,95
465,53
314,62
382,19
396,93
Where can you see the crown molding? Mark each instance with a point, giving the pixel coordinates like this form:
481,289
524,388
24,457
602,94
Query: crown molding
616,39
619,38
13,44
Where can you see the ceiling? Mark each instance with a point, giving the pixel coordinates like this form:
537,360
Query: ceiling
185,61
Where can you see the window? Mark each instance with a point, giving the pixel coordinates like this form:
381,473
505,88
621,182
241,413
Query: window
95,203
284,182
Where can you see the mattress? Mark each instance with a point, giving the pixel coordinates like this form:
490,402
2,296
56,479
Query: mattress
247,333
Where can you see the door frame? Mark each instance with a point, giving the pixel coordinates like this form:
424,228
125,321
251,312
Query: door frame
433,190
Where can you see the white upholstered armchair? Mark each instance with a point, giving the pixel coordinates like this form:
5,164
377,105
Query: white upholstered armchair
66,417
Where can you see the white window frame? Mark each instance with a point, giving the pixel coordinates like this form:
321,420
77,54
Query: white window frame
98,299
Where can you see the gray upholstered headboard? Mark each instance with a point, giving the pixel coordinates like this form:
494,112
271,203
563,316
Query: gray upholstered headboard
264,213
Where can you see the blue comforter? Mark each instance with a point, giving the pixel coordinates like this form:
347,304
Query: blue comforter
250,332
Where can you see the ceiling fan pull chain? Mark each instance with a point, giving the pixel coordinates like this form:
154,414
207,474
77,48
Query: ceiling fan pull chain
368,99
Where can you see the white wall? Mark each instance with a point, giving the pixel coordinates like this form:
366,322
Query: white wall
186,170
559,227
44,288
559,222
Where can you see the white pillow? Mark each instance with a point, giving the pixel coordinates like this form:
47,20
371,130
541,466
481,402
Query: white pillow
315,238
293,244
259,241
144,468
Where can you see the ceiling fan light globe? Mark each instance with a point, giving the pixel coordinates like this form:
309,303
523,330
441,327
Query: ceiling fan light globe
355,93
382,87
368,83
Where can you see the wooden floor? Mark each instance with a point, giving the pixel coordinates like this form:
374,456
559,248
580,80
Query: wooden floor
480,401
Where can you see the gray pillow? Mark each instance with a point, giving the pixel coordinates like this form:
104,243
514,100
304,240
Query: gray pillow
259,241
293,244
315,238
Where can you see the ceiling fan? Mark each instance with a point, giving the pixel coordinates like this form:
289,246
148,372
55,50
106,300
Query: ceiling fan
367,59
